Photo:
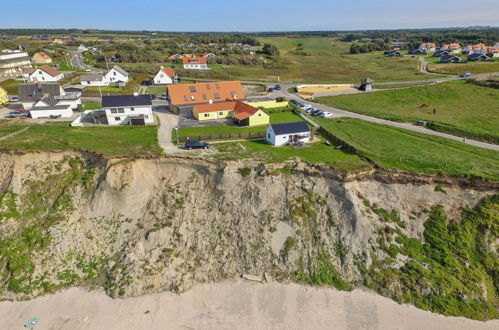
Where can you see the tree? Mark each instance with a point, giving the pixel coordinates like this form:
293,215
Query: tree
271,50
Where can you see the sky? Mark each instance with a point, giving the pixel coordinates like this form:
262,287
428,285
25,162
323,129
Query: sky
247,15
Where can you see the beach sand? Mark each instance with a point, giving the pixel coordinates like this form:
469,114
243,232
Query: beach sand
229,305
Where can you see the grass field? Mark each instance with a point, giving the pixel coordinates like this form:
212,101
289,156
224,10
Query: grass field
390,147
326,60
87,105
275,118
317,152
462,109
459,68
156,90
111,141
11,86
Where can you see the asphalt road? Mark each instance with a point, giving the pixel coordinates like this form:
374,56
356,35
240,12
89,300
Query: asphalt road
77,61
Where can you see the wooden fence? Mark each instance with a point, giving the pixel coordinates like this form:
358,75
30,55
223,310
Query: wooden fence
230,136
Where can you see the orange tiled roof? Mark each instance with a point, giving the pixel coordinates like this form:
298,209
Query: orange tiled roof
194,60
50,70
241,110
202,93
168,71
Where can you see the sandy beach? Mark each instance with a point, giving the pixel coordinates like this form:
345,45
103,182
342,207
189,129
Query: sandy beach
229,305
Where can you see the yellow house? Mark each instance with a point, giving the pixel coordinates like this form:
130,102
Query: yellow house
242,113
42,58
4,98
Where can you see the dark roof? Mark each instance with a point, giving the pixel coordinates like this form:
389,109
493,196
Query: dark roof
290,128
476,56
125,100
33,92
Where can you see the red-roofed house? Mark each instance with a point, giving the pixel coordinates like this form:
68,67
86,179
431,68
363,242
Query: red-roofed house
428,47
42,58
44,73
453,48
242,113
208,55
165,76
195,63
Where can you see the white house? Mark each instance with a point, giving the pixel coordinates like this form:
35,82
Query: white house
288,133
195,63
128,109
52,94
48,107
165,76
44,73
116,74
93,80
82,48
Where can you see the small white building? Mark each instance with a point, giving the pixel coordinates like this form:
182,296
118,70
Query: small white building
288,133
47,109
195,63
116,74
44,73
82,48
165,76
93,80
128,109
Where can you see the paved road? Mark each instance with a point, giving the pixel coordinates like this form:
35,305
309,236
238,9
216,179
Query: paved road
342,113
77,61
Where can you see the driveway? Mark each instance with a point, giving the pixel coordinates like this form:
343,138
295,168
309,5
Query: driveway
167,123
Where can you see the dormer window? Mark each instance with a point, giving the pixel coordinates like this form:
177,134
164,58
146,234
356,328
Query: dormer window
192,89
234,95
192,97
217,86
208,86
217,96
186,98
204,97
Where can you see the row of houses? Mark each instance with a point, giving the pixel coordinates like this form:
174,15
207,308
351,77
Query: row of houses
116,75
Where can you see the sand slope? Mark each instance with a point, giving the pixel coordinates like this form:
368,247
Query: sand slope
229,305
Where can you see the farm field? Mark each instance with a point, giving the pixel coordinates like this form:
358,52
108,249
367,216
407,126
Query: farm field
111,141
326,60
462,108
391,147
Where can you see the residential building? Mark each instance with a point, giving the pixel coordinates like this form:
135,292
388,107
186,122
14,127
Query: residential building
52,94
48,108
417,51
288,133
4,97
174,57
477,57
195,63
116,74
93,80
128,109
440,53
208,55
428,47
392,53
452,48
44,73
12,62
41,58
447,58
243,114
165,76
183,97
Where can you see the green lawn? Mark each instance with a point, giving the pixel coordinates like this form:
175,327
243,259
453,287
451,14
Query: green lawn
316,153
110,141
156,90
6,130
275,118
87,105
391,147
462,108
11,86
64,66
458,68
132,86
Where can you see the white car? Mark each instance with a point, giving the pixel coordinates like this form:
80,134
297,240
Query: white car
306,106
326,114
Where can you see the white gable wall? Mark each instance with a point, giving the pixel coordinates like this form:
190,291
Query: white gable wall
119,115
113,76
64,113
40,75
162,78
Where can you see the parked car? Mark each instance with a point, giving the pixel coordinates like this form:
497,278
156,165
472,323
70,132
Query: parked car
306,106
326,114
277,87
270,90
153,96
295,102
196,145
164,96
465,75
14,99
315,112
15,114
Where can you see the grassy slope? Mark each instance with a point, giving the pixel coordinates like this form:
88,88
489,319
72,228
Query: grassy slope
327,60
391,147
472,67
461,109
111,141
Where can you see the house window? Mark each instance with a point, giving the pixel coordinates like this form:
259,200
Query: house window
114,73
268,136
234,95
186,98
117,118
192,89
208,86
217,85
121,110
114,110
259,115
204,97
132,109
220,113
217,96
146,116
161,76
206,115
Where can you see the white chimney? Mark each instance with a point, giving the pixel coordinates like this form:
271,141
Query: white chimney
210,101
135,94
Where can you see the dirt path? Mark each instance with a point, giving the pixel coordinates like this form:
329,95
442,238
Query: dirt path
229,305
168,122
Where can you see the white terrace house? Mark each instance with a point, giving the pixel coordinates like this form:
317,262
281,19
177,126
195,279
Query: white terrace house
128,109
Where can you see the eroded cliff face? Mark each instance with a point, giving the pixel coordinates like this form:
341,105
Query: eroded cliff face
137,226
